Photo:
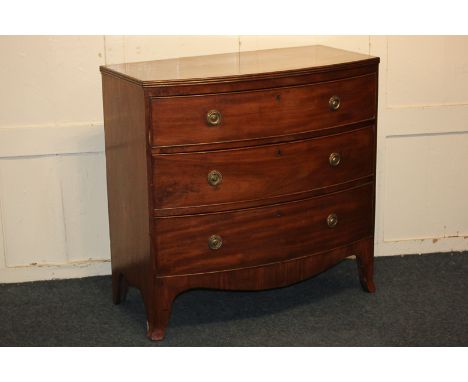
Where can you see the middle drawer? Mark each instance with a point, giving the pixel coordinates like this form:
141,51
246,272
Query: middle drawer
254,173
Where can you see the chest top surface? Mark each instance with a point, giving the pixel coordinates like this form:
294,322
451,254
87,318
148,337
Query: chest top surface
260,63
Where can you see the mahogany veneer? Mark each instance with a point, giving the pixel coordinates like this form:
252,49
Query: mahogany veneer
240,171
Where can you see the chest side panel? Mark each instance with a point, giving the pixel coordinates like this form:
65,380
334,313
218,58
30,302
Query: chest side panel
127,178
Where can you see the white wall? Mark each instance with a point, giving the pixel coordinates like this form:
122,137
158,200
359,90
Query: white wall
53,207
422,163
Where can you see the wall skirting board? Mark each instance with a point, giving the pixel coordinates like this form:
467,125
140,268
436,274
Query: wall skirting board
55,272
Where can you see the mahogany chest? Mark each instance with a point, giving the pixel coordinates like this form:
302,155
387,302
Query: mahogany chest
240,171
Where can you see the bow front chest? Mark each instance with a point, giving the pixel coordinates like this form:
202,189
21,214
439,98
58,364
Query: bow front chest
241,171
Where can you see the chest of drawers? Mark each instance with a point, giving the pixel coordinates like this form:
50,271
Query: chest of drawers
241,171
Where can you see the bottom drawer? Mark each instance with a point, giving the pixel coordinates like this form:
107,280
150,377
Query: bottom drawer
250,237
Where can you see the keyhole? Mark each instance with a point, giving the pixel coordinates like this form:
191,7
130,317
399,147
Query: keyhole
278,98
279,153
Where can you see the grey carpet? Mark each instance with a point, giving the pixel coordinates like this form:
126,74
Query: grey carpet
420,301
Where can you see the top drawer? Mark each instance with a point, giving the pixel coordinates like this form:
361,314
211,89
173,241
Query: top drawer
188,120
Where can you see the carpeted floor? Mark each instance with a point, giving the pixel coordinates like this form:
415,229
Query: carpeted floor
420,301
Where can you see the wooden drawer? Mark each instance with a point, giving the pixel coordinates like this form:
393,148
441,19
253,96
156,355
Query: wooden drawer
259,114
181,180
263,235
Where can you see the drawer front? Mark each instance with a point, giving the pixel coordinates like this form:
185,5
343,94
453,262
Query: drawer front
243,238
259,114
225,176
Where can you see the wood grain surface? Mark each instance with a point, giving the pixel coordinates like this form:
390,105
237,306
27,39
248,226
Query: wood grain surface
127,185
260,172
266,113
230,66
262,235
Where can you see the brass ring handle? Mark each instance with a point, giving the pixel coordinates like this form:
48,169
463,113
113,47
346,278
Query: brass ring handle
213,117
334,103
332,220
215,242
215,178
334,159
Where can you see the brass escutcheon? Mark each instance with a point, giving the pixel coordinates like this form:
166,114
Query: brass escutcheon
334,103
214,178
213,117
332,220
334,159
215,242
